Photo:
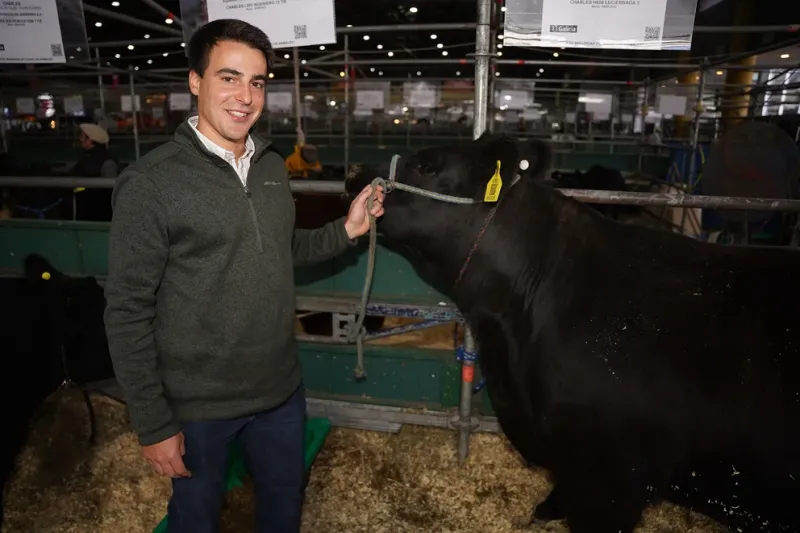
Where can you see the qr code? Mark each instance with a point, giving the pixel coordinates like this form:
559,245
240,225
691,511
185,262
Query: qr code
300,32
56,50
652,33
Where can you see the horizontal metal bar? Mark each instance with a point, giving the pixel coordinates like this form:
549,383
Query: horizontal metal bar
137,42
683,200
361,411
585,195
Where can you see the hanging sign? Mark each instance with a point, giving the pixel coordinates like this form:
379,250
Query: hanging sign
280,101
73,105
369,100
287,23
125,102
670,104
26,106
618,24
180,101
420,95
598,103
30,32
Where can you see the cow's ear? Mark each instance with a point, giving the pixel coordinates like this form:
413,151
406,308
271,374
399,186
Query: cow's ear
534,159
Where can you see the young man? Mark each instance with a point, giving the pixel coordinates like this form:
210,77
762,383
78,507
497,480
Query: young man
200,313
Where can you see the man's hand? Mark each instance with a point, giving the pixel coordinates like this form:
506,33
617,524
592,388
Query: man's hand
357,222
167,456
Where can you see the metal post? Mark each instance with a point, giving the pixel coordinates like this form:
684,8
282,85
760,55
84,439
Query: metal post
135,112
346,103
643,108
698,107
465,403
100,83
491,104
301,138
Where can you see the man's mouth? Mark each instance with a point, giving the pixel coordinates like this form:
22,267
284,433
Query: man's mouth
239,116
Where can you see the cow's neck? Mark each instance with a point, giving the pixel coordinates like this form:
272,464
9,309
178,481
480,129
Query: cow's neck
535,235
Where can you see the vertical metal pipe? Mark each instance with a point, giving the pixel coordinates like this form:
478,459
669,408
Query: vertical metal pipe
301,138
695,140
346,102
643,108
491,104
100,83
482,53
135,112
482,36
465,403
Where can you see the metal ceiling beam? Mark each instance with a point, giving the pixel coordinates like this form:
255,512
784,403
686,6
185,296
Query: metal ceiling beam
130,20
775,28
137,42
164,11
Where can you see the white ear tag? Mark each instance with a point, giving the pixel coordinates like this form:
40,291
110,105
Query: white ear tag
523,164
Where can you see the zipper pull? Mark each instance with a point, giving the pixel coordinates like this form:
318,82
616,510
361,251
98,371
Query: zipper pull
247,191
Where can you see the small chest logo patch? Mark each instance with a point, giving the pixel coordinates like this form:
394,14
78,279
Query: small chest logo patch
272,182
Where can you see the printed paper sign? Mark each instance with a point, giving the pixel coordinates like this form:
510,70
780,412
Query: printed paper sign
513,99
619,24
280,101
420,95
180,101
369,100
26,106
598,103
73,104
125,101
669,104
30,32
287,23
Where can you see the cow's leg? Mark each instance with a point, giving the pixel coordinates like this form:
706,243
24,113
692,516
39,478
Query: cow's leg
605,468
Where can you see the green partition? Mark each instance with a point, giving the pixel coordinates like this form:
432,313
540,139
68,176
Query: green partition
396,375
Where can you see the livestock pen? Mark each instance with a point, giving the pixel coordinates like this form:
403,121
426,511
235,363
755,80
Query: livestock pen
390,462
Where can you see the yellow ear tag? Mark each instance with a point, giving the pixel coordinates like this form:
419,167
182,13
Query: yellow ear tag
494,186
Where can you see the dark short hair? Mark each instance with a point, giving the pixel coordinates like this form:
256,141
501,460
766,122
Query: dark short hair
207,36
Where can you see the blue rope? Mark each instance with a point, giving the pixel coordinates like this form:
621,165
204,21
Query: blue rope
39,212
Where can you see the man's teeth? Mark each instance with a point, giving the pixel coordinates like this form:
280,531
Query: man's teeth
237,113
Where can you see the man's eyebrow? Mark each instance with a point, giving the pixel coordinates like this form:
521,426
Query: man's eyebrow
234,72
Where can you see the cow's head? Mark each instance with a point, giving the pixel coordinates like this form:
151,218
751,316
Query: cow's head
441,230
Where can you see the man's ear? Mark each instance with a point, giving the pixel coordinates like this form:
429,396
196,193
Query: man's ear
194,82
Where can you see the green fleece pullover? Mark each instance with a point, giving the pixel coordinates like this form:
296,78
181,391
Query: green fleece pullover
200,295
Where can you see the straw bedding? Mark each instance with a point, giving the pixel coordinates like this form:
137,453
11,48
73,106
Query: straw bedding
361,482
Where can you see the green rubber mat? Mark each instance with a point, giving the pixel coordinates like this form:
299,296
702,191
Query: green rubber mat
316,431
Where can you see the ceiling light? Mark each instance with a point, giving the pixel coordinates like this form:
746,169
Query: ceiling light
391,54
419,73
380,73
501,37
130,47
444,53
333,103
458,73
412,10
503,9
380,47
496,73
286,56
439,45
366,37
499,45
719,73
146,35
541,70
271,74
116,55
349,25
499,54
98,24
135,68
305,74
784,56
372,69
538,74
183,45
555,54
303,61
433,36
341,74
168,21
149,61
322,47
115,4
165,54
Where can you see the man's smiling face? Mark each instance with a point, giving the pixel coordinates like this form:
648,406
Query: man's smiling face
231,92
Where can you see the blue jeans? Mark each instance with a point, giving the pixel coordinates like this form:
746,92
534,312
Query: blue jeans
274,447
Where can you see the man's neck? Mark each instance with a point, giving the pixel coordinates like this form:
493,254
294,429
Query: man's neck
238,149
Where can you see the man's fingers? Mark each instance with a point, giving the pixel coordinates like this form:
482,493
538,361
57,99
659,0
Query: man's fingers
157,467
180,468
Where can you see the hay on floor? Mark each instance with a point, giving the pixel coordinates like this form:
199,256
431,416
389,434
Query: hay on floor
362,482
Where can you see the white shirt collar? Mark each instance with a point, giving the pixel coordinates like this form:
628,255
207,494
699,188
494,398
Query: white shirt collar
213,147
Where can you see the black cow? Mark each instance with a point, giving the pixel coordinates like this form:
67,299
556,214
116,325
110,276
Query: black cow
634,364
53,335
